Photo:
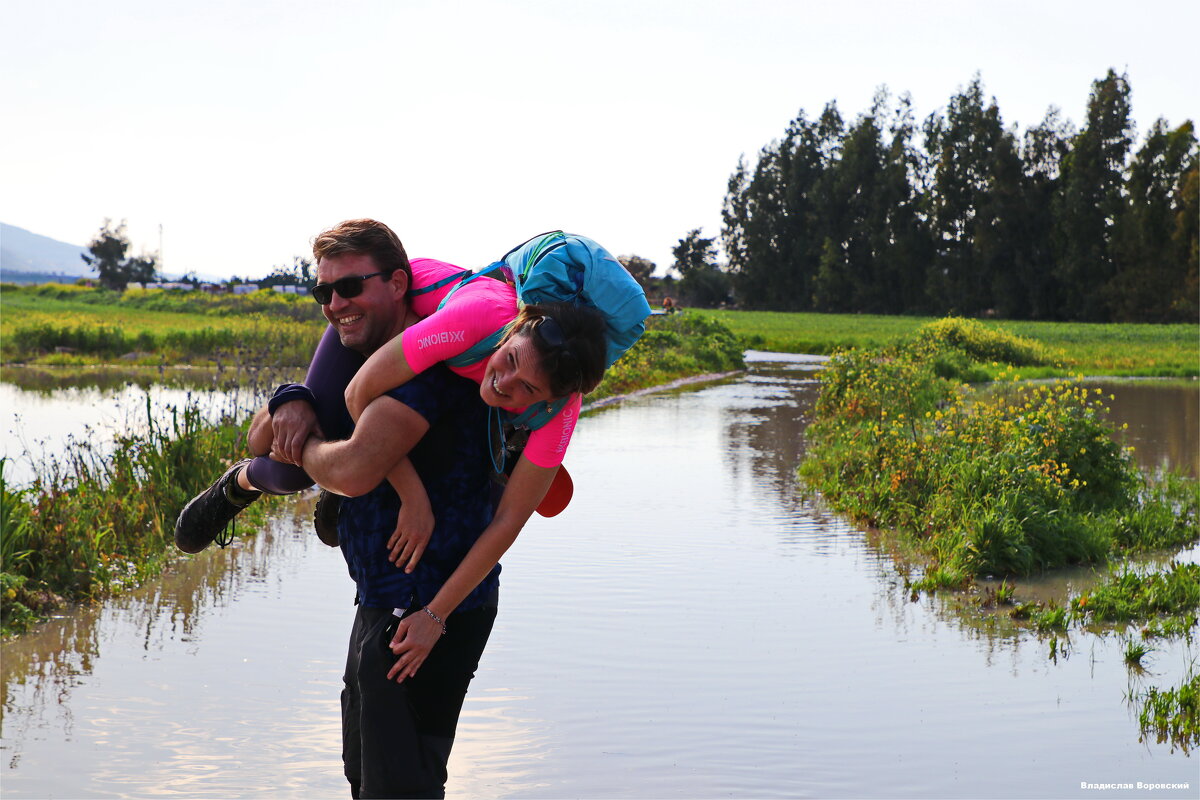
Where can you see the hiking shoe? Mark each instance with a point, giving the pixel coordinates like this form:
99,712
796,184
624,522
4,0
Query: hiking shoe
325,517
211,513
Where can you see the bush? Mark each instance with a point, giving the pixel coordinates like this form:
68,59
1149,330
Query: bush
1006,481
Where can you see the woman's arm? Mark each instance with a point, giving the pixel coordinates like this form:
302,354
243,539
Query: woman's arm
414,523
418,633
386,369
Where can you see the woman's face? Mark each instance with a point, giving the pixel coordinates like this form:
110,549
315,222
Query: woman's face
513,377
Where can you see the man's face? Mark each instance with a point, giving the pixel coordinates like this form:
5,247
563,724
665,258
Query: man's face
367,320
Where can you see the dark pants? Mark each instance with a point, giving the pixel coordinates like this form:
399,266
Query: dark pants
396,737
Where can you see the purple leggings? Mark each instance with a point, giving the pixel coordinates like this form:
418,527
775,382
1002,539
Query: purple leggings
332,367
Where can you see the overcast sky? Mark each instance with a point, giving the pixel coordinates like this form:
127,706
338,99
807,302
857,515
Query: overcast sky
244,128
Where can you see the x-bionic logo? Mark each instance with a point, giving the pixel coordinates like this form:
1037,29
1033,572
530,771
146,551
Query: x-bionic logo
441,338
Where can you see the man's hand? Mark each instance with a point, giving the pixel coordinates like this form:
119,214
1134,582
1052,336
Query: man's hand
291,425
414,638
414,527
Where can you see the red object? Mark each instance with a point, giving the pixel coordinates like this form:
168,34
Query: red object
558,495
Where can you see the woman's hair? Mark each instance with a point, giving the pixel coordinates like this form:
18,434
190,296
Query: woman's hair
364,237
571,342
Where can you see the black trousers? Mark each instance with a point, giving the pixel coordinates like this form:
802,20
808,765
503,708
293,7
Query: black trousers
396,737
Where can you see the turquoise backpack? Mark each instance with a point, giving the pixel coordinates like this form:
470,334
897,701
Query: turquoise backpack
564,268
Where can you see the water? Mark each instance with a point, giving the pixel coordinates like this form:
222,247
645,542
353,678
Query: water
689,627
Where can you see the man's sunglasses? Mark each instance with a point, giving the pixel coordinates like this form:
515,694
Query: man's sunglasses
347,287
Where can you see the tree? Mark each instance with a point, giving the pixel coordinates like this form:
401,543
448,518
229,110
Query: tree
298,274
972,155
1150,259
108,249
702,282
640,268
1089,200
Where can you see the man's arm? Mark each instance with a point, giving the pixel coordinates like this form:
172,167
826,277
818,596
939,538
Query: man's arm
385,432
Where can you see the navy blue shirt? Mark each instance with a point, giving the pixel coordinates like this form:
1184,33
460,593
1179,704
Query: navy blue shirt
453,462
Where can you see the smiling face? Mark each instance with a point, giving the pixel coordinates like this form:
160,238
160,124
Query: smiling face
513,377
368,320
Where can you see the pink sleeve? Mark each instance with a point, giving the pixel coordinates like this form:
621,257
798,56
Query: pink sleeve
452,330
548,444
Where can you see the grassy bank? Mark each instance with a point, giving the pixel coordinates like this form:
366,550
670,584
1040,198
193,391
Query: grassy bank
91,525
1003,482
56,324
1091,349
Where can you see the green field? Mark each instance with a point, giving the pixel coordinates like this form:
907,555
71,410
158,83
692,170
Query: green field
54,324
1091,349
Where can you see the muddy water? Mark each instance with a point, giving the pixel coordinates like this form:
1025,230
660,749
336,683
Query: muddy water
689,627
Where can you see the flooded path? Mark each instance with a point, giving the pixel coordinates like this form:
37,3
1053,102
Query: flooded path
690,627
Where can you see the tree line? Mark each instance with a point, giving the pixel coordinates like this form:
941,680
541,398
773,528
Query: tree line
961,215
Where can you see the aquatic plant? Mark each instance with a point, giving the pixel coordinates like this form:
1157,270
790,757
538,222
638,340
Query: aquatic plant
1173,714
1135,651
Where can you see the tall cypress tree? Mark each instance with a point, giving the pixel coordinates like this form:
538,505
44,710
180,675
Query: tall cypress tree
1149,259
1089,201
965,146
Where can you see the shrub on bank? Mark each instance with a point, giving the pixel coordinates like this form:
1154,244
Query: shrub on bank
674,346
1001,481
90,523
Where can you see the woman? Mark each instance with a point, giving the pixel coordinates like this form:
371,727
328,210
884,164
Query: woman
545,358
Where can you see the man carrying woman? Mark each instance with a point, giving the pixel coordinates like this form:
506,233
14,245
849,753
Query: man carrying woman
419,630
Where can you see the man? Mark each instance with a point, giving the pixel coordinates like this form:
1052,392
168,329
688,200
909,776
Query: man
405,679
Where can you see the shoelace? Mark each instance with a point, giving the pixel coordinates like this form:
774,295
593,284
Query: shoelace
225,537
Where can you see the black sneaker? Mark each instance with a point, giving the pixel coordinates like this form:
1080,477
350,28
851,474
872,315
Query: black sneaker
325,517
211,513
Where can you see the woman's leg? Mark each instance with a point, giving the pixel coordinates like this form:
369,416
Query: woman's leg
332,367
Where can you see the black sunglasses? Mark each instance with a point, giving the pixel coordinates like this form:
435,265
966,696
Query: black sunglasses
550,332
347,287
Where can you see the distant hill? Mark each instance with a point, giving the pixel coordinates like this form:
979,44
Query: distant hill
27,257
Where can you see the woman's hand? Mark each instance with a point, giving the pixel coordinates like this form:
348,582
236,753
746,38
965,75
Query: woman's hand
414,527
414,638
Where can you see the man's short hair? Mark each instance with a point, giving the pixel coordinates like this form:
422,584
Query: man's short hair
364,237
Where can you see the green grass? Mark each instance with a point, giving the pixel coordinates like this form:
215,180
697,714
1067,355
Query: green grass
1092,349
56,325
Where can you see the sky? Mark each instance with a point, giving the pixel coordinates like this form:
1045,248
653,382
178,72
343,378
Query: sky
228,133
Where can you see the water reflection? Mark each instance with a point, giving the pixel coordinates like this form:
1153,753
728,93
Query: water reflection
690,626
135,689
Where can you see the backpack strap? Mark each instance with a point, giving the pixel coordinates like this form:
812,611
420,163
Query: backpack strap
484,347
433,287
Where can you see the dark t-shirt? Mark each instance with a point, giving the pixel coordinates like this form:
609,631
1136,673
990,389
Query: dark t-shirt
453,462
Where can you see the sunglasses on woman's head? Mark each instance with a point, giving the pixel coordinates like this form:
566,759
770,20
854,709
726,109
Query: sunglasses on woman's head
347,287
550,332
